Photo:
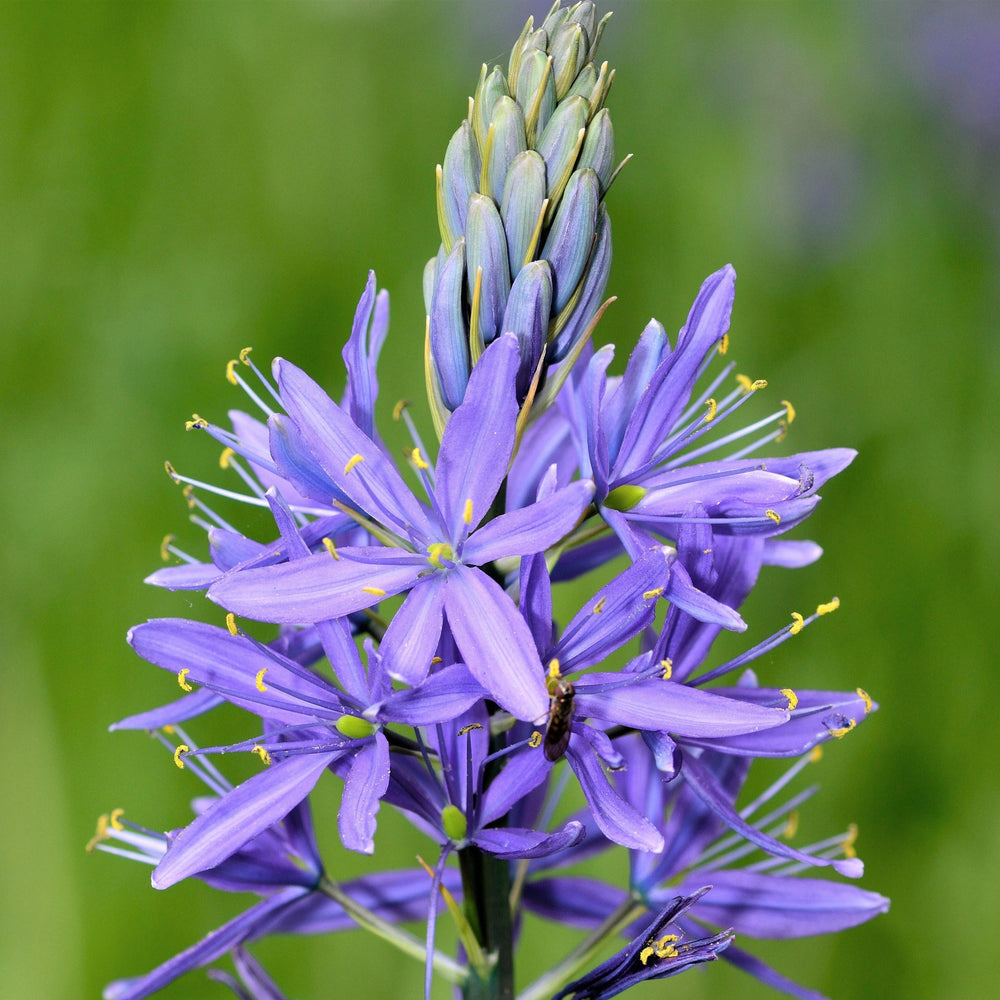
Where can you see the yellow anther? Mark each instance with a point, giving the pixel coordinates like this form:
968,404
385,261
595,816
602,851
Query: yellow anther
850,840
99,835
170,471
469,728
783,431
844,730
467,511
554,672
231,624
536,740
866,698
374,591
646,954
744,381
115,819
665,946
195,423
231,371
773,515
648,595
798,623
168,729
825,609
244,354
165,547
182,748
438,551
668,668
793,698
226,457
791,825
599,606
815,754
262,753
724,343
712,407
182,679
789,410
330,547
436,659
259,680
397,410
418,459
188,494
353,461
758,383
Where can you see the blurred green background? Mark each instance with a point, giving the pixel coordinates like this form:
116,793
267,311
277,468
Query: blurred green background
180,180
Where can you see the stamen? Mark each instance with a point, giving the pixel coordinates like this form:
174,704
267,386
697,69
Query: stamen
418,459
792,826
866,698
196,423
100,835
435,660
231,624
793,698
467,511
231,371
180,750
646,954
798,623
374,591
843,730
773,515
668,668
397,410
115,819
353,461
438,551
599,606
245,355
815,754
226,457
330,547
713,407
724,344
535,740
259,680
188,494
262,753
171,472
648,595
554,672
182,679
789,410
850,840
825,609
468,729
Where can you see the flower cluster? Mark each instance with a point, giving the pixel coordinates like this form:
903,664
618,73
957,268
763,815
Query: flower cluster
417,659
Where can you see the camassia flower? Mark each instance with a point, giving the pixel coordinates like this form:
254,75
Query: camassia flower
435,552
418,656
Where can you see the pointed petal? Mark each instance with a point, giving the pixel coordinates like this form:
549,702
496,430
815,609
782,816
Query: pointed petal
479,438
524,770
444,696
185,708
616,818
412,637
495,643
364,787
239,816
318,587
511,842
669,707
772,906
530,529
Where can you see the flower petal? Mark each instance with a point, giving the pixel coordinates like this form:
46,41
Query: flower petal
364,787
412,637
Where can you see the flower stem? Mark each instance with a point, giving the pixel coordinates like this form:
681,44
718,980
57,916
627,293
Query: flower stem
486,888
583,954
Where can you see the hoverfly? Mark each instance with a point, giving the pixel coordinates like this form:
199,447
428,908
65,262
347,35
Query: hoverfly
557,731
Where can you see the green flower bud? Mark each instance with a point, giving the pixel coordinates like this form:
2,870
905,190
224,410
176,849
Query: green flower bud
491,88
354,728
456,826
560,146
536,93
459,179
571,238
569,53
624,497
486,249
598,151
